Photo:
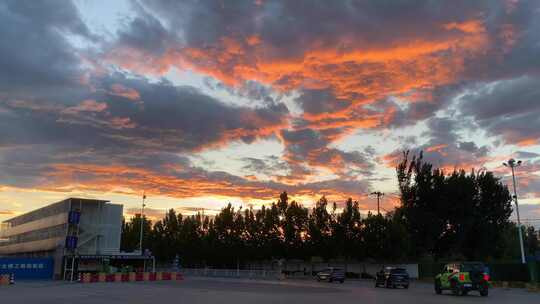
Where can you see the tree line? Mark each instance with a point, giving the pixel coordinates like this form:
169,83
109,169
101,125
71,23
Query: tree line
441,216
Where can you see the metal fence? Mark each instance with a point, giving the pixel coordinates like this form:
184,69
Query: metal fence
231,273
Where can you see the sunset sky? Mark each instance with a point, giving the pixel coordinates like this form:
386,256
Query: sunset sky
201,103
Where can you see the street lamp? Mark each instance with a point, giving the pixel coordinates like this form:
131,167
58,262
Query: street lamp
142,224
513,164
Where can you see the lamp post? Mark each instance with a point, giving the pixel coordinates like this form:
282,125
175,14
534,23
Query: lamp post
379,194
142,224
512,163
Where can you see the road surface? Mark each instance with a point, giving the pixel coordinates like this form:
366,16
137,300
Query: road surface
237,291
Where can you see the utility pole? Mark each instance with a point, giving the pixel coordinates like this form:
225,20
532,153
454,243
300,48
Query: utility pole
142,224
379,194
513,164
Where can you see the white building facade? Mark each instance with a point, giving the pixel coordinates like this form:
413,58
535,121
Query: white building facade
43,232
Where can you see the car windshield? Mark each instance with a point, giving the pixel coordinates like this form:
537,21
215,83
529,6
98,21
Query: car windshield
472,267
398,271
327,270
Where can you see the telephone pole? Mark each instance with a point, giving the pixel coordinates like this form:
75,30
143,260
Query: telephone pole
379,194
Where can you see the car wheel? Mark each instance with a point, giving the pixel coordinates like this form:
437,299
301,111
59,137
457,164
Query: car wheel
330,280
341,281
438,289
406,286
455,288
484,290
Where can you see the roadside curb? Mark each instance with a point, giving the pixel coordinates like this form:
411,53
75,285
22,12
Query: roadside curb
533,287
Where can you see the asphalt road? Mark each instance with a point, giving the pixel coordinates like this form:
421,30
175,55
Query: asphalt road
224,291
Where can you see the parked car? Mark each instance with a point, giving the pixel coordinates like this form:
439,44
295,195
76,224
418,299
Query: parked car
463,277
392,277
331,274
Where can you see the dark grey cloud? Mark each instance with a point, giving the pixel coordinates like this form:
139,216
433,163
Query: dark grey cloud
527,154
321,102
514,34
34,51
54,112
512,97
253,92
507,108
311,147
270,165
197,119
291,30
443,145
297,23
471,147
145,32
168,119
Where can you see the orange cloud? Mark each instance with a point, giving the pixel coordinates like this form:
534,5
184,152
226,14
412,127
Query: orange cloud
88,105
436,148
122,123
8,212
354,70
528,142
359,72
187,184
470,27
452,159
129,93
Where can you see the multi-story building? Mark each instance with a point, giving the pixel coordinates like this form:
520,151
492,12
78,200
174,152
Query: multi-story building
96,226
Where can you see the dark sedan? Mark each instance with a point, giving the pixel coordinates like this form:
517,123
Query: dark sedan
331,275
392,277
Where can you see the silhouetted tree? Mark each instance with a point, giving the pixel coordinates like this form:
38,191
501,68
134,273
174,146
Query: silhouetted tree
456,215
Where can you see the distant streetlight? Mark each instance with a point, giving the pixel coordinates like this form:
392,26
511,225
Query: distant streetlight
379,194
142,224
513,164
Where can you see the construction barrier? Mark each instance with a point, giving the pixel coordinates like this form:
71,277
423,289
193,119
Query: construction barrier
166,276
86,278
130,277
7,279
